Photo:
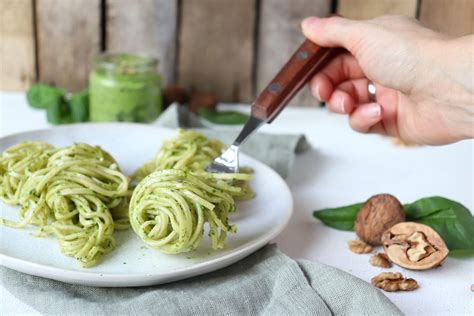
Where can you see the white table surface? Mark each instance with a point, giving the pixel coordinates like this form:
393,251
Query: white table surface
343,167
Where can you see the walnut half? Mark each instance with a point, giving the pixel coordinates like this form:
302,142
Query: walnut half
358,246
414,246
393,282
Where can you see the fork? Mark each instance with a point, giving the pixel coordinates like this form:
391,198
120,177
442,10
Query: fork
308,59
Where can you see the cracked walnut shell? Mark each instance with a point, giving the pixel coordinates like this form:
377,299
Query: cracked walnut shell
414,246
378,214
393,282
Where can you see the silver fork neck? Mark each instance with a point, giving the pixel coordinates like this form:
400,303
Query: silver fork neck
249,128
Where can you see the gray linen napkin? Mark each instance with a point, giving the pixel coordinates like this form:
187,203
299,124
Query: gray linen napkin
267,282
275,150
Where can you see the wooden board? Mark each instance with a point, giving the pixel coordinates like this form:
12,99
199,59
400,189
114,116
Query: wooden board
455,17
279,36
68,40
368,9
144,27
216,47
17,45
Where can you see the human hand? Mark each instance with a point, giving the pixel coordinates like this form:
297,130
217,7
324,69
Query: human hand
424,80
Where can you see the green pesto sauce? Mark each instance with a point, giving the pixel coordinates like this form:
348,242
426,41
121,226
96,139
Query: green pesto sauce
125,88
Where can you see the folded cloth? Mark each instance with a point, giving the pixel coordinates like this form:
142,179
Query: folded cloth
275,150
265,283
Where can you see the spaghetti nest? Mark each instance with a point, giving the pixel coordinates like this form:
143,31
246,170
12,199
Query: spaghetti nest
172,204
169,208
75,196
19,162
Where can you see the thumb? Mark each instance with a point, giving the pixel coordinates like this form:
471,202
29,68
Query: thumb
332,32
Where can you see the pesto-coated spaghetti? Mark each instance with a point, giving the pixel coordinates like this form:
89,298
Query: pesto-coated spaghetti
169,208
74,197
177,198
189,150
19,162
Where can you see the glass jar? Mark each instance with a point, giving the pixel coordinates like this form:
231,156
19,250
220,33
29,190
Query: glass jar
125,87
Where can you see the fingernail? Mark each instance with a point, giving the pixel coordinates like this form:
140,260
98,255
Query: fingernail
342,106
371,110
316,94
308,22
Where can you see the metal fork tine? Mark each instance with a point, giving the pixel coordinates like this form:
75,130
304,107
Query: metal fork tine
228,162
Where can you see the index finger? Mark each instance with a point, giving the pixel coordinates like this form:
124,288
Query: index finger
339,70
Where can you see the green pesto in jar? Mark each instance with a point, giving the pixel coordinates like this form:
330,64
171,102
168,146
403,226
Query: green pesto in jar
125,88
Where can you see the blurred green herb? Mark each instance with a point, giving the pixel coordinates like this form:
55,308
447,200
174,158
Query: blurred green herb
79,104
223,117
58,112
59,108
39,96
452,220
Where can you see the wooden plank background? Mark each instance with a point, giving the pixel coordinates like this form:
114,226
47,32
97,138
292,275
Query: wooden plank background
145,27
454,17
369,9
17,48
216,47
68,37
279,36
227,47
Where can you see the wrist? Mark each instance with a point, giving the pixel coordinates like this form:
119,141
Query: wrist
450,84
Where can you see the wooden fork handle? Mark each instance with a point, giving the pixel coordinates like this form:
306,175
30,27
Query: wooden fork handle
308,59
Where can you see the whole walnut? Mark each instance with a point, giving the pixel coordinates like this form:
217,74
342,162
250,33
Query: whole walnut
174,93
378,214
202,100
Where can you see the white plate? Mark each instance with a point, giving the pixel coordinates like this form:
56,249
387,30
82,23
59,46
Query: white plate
133,263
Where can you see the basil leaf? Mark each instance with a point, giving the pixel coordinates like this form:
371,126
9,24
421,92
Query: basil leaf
223,117
454,227
427,206
342,218
40,96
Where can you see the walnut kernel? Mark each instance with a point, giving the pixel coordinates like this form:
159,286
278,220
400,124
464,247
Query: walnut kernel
393,282
419,247
380,260
358,246
400,142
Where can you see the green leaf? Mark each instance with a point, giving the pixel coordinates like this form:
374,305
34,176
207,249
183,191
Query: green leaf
223,117
79,104
452,220
426,206
456,229
40,96
342,218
